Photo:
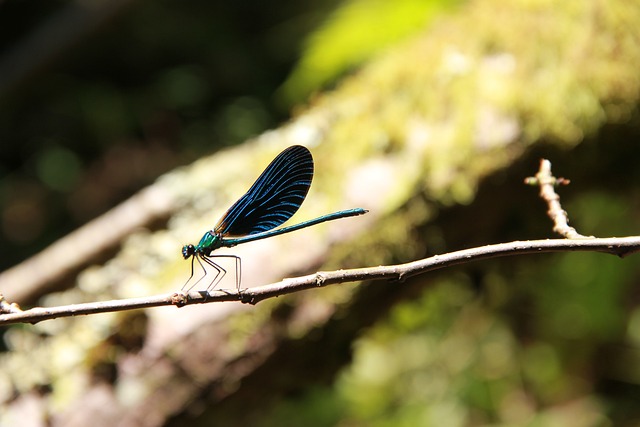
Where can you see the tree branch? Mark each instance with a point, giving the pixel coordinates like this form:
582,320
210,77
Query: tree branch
615,246
620,246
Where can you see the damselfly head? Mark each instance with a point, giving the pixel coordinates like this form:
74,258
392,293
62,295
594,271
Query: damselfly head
188,251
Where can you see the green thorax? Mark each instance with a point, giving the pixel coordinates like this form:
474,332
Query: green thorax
209,242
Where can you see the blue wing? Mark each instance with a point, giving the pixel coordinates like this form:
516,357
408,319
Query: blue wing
273,198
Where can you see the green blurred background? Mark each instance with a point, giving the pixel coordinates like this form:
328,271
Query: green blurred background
97,100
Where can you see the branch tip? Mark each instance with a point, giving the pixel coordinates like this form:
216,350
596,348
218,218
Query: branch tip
546,181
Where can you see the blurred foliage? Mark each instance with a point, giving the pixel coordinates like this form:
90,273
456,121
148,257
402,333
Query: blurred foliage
549,340
158,85
355,31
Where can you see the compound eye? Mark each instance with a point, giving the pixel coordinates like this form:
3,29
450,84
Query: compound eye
188,251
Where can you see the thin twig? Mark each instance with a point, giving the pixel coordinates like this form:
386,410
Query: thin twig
547,182
616,246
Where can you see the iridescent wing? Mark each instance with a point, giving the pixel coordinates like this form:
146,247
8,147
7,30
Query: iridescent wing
273,198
